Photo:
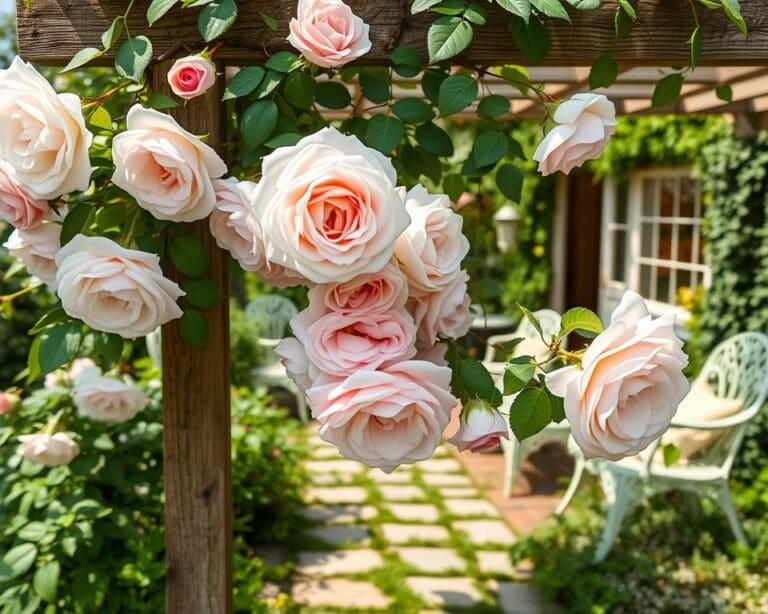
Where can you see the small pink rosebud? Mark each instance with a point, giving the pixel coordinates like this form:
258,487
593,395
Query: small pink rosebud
276,453
482,428
191,76
8,402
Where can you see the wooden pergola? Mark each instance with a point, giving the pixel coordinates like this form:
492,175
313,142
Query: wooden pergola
196,381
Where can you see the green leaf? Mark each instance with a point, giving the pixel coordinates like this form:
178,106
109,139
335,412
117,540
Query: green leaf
520,8
531,38
59,345
551,8
82,57
374,83
100,118
623,23
456,93
603,72
413,110
478,381
476,13
244,82
627,7
332,95
384,133
158,8
434,140
160,102
193,328
201,293
300,89
733,10
454,185
33,531
667,90
46,580
283,61
696,42
283,139
671,454
493,106
112,33
447,37
532,319
17,561
531,411
270,21
216,18
518,373
108,345
189,256
584,5
407,61
268,84
419,6
558,407
489,148
133,57
78,219
431,81
724,93
509,180
582,321
258,122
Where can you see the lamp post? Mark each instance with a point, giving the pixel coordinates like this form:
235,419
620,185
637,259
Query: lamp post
507,220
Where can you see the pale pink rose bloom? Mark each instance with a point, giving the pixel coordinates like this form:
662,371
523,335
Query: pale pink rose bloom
37,248
385,418
17,207
366,293
44,135
78,367
444,314
339,344
48,450
466,198
236,229
191,76
8,402
328,33
106,399
629,386
585,123
294,359
432,247
434,354
329,207
482,428
168,170
113,289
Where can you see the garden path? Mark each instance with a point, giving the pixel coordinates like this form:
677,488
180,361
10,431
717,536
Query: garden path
421,539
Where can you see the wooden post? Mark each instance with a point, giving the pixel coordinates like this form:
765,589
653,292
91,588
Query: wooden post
196,417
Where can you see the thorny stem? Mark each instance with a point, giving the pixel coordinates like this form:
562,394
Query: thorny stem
27,290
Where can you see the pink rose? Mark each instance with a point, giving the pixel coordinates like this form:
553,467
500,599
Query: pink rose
385,418
629,385
329,207
366,293
17,207
37,248
432,247
434,354
48,450
482,427
443,314
585,123
106,399
466,198
8,402
236,229
294,359
339,344
328,33
191,76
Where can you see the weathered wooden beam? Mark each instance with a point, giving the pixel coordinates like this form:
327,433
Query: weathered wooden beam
196,419
52,31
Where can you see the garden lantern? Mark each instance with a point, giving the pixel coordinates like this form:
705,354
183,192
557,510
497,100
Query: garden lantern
507,220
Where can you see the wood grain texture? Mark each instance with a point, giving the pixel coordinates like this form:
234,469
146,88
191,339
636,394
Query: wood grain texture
52,31
196,416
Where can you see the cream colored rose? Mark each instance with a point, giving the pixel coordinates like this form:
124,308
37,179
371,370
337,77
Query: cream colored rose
17,207
42,134
432,247
629,386
329,207
444,314
37,248
328,33
113,289
584,125
367,293
48,450
107,399
165,168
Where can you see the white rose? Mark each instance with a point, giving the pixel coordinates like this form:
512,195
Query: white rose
37,248
165,168
629,385
584,125
481,427
44,137
107,399
113,289
432,247
443,314
329,207
48,450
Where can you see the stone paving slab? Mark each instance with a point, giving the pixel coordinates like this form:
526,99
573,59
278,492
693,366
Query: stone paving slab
339,593
331,479
447,592
494,562
441,451
334,466
405,533
339,514
341,494
518,598
337,534
440,465
458,492
470,507
446,479
397,492
337,562
484,532
397,477
415,512
326,452
432,560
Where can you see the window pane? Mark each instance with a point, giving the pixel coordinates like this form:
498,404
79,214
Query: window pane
649,197
684,279
663,282
645,281
622,200
646,231
688,192
665,241
668,197
685,243
619,255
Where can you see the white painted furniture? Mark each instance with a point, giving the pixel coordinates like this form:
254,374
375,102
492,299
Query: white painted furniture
736,369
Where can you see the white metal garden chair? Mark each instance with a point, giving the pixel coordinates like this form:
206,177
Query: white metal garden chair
736,369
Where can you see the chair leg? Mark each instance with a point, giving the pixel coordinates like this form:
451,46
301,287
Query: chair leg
578,471
619,493
513,457
725,501
301,406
